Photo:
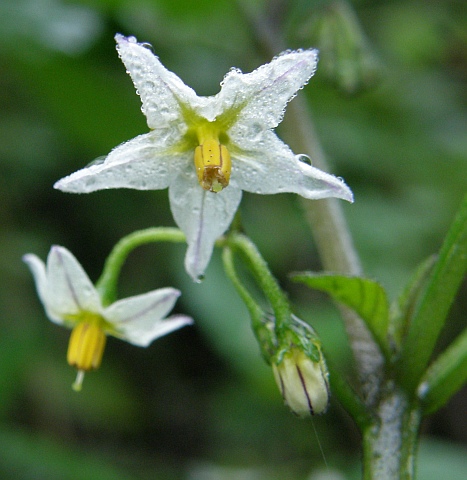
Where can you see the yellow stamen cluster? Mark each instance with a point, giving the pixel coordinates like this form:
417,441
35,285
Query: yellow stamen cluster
212,163
85,349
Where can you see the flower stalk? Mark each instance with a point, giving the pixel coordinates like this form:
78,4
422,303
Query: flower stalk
288,344
107,283
268,284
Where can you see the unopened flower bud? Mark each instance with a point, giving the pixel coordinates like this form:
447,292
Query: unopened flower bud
303,382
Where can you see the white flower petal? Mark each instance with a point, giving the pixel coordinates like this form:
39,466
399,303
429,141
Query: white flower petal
37,267
140,163
266,91
271,167
140,319
69,290
203,217
161,91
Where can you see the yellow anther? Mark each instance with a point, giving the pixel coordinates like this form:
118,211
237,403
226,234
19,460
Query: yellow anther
213,166
85,349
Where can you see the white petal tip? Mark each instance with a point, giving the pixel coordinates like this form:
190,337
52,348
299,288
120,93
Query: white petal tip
348,195
122,40
346,192
79,182
67,186
192,267
182,320
27,257
60,185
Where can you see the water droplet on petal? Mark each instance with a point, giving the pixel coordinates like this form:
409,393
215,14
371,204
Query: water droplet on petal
303,158
148,46
97,161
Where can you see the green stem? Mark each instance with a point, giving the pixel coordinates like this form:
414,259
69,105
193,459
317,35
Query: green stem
107,283
256,312
257,315
264,277
390,442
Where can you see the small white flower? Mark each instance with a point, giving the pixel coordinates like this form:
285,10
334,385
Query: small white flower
206,150
70,299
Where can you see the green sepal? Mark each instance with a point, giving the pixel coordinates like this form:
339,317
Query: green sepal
366,297
299,334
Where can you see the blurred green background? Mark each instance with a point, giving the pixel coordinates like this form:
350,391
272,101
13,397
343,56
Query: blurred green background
200,404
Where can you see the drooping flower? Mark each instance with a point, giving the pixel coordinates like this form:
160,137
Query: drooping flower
70,299
206,150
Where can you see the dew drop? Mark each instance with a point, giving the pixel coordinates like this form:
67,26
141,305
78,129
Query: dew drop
97,161
303,158
148,46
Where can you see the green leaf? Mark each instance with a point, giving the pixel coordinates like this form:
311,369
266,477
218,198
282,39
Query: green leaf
432,309
367,297
445,376
403,307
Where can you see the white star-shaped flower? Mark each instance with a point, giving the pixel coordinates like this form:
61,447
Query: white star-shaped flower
206,150
70,299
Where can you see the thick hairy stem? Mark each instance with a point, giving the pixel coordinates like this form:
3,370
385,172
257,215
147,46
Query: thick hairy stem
390,443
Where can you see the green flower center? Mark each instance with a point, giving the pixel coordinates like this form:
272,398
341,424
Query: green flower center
209,140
